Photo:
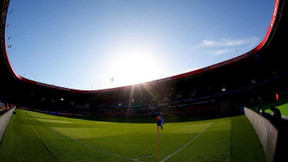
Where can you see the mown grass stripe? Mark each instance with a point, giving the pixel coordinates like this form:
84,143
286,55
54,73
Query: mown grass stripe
41,141
193,139
92,147
85,140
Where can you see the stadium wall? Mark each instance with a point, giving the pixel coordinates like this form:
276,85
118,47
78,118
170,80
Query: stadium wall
266,132
4,121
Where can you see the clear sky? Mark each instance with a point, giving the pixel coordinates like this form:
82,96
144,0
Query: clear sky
82,44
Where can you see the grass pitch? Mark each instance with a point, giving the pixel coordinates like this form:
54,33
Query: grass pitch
37,137
283,106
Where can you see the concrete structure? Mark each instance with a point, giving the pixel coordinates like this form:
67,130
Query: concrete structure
4,121
266,132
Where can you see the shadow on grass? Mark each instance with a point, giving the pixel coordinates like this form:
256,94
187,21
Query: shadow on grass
151,119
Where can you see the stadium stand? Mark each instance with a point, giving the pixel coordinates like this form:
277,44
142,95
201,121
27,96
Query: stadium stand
259,72
239,81
247,80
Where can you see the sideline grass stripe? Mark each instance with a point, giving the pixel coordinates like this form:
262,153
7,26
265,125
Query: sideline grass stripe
20,144
42,142
97,149
65,148
245,145
87,145
194,138
137,141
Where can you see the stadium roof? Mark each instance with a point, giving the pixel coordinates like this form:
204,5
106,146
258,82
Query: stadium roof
266,58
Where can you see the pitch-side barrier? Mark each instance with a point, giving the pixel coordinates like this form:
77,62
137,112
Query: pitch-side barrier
4,121
266,132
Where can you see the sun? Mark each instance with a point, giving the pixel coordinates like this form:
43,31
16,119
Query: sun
135,66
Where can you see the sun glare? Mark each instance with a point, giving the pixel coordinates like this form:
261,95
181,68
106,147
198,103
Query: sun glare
134,66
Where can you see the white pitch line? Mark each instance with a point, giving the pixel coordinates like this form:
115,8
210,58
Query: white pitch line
97,149
92,147
104,151
42,142
144,157
193,139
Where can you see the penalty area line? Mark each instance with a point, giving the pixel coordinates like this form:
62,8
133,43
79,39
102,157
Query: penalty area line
100,150
91,147
193,139
97,149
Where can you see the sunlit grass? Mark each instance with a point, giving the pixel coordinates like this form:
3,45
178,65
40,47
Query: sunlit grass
283,106
34,136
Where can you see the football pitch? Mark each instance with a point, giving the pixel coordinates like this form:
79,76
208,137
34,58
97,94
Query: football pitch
33,136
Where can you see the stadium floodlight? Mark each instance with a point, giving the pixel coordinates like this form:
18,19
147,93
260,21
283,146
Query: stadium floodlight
223,89
62,99
253,81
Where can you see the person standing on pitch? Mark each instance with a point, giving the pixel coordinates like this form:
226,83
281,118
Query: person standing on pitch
160,121
276,112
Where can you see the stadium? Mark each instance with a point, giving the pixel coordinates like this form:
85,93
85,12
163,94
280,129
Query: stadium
204,120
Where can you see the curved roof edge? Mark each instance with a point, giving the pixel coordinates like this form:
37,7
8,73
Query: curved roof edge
175,77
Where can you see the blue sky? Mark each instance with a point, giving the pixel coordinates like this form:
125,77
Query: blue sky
83,44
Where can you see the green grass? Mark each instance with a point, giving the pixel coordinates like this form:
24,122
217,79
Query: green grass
37,137
283,107
151,119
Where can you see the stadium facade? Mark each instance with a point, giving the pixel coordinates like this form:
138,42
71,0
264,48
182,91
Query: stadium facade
247,79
